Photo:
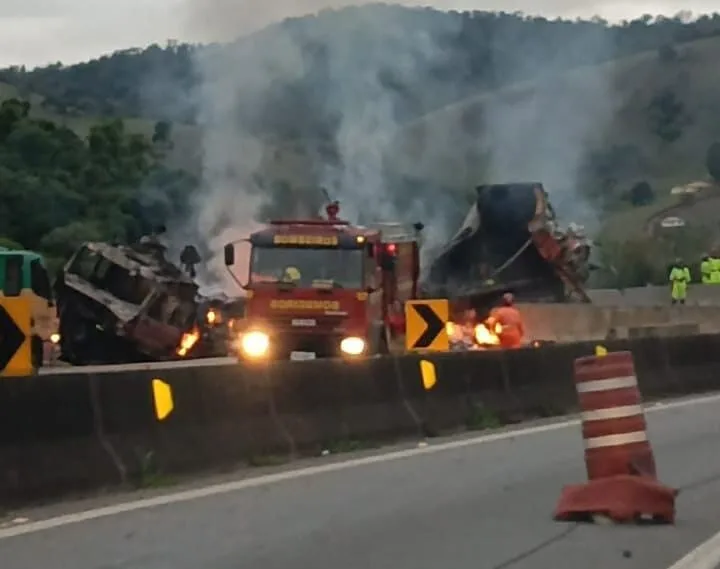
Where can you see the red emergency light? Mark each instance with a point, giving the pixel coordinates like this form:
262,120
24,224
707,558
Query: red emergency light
391,248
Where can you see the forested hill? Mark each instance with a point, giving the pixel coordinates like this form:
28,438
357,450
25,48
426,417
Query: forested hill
399,112
426,57
59,190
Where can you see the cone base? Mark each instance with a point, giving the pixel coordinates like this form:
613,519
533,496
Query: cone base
621,498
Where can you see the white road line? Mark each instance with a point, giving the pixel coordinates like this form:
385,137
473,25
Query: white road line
704,556
238,485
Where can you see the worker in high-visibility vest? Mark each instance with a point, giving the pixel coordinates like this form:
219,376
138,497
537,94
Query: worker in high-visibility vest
707,269
715,269
679,280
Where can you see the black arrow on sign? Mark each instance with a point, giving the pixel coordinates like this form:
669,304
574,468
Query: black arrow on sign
11,338
433,322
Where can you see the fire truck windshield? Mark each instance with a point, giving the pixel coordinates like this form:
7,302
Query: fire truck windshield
307,267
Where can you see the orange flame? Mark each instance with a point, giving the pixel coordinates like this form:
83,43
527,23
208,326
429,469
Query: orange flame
188,340
484,334
487,333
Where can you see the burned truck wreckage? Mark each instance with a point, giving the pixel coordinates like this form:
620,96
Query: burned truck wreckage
510,241
128,303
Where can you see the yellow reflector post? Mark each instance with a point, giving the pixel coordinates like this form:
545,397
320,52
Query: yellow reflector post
163,399
600,351
427,371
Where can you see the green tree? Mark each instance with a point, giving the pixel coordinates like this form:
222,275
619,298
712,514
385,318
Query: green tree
479,51
641,194
62,241
667,116
10,244
162,132
60,190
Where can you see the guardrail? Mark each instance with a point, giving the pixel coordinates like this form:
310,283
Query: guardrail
94,427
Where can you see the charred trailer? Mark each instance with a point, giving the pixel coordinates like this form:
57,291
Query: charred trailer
510,242
123,304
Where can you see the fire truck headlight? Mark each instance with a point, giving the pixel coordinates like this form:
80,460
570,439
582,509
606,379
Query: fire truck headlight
255,344
352,346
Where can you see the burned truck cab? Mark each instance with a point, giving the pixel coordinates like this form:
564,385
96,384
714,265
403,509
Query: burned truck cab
120,304
511,241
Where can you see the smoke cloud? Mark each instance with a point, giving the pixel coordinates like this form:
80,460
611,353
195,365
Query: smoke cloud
380,165
540,130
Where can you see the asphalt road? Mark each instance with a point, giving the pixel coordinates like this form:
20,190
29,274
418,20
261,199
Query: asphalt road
480,504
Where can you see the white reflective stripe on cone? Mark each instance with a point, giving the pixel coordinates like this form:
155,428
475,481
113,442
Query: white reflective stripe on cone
607,384
612,413
616,440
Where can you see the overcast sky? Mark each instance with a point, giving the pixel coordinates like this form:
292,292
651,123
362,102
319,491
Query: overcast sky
36,32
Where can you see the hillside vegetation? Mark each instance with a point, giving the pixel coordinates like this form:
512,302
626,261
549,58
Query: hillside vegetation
398,112
594,132
59,189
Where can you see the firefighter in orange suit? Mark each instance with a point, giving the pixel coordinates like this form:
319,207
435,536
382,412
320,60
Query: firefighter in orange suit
511,330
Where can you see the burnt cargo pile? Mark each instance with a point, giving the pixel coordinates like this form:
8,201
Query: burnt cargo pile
129,303
510,241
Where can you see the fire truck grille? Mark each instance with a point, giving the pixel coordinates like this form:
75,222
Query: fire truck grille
321,335
307,324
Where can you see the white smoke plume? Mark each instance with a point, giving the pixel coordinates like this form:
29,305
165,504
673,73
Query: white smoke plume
367,53
237,83
545,131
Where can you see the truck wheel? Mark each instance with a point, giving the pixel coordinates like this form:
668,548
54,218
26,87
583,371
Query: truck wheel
73,339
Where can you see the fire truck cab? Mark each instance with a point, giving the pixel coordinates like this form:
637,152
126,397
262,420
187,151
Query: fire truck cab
324,287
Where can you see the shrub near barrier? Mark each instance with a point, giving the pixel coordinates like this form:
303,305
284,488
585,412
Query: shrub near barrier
82,431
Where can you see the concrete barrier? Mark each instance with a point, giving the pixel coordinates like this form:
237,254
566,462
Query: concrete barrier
83,431
698,295
585,322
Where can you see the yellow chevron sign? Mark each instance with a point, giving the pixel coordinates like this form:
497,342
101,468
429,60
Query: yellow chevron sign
15,334
425,325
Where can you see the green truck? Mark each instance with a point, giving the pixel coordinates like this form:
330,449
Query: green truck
24,274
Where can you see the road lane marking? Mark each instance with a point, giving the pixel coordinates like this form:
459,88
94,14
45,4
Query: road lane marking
254,482
704,556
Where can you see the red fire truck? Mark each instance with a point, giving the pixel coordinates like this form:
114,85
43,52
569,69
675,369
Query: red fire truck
324,287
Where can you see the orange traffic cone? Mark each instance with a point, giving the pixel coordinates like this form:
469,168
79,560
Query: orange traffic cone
622,483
